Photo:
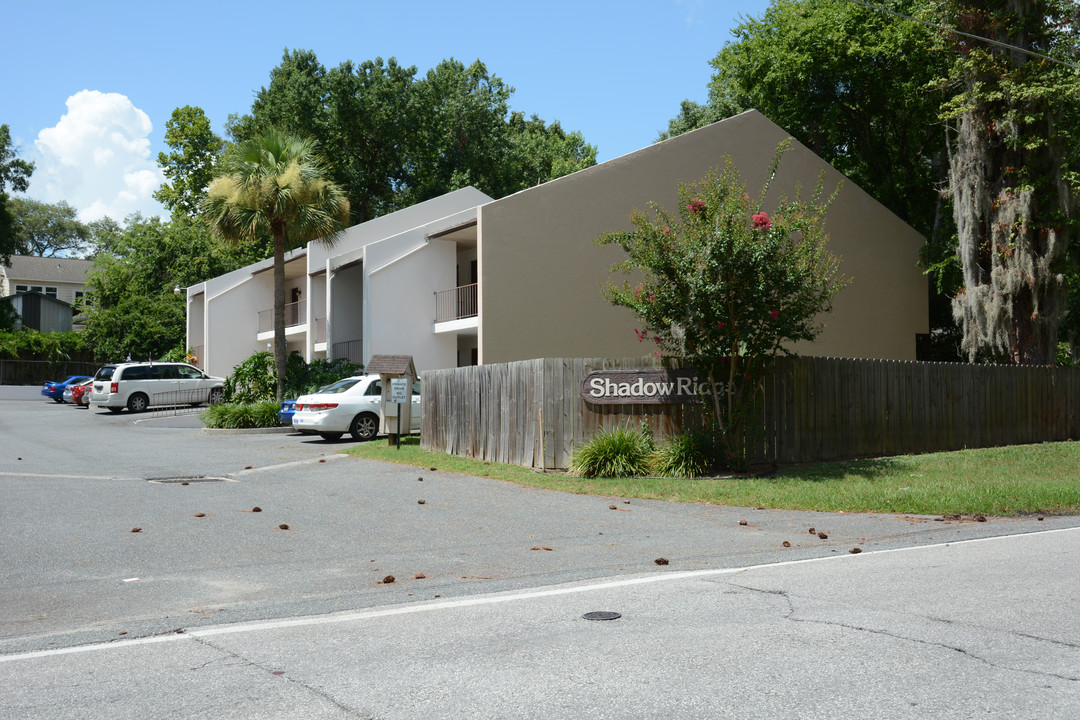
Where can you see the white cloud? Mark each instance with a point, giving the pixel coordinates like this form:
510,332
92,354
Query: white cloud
97,158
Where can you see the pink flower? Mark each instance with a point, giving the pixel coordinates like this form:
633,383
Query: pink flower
696,206
775,314
657,353
641,334
761,220
720,326
666,230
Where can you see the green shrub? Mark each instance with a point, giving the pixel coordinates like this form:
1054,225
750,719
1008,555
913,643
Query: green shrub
617,452
691,454
240,416
51,346
253,380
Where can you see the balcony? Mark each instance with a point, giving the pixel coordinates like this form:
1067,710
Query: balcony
295,314
351,350
456,304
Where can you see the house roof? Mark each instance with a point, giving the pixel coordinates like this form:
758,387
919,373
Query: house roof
390,365
48,269
45,298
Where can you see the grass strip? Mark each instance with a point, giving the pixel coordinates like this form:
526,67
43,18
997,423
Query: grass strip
1014,480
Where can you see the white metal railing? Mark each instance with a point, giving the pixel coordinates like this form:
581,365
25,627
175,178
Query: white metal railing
456,303
294,315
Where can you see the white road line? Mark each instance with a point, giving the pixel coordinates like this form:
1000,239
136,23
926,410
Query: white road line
65,477
294,463
478,600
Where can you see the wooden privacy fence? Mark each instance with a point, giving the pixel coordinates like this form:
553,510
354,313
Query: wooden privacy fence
531,413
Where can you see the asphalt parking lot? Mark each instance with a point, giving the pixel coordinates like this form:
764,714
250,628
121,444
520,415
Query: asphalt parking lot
221,612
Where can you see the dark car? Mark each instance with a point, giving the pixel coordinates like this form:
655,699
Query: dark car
55,390
285,414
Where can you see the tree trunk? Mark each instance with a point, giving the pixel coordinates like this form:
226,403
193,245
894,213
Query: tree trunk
279,311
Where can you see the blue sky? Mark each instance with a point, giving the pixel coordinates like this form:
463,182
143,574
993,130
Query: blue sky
96,82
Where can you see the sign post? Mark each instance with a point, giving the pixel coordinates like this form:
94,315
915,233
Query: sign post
399,393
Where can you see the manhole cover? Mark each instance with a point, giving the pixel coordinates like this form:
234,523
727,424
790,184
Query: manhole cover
601,615
188,480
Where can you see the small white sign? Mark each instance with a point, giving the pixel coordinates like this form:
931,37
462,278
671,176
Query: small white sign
399,390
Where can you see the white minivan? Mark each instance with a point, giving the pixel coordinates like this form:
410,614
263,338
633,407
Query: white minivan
137,386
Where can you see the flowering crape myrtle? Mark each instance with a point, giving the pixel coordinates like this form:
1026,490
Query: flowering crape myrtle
726,286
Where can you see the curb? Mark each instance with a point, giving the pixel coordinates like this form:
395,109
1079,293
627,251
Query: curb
250,431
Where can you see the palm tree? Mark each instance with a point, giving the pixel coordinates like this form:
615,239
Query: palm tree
276,185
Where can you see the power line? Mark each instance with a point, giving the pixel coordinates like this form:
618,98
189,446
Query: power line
970,35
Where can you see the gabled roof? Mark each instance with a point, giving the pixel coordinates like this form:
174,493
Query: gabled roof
390,365
47,298
48,269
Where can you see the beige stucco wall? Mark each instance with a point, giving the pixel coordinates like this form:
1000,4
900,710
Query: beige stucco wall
541,275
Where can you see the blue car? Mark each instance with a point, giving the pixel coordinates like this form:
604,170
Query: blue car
55,390
286,412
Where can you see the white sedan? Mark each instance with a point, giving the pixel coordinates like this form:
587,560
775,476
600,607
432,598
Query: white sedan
349,406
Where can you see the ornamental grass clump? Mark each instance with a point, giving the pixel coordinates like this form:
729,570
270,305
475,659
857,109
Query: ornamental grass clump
242,416
690,454
615,452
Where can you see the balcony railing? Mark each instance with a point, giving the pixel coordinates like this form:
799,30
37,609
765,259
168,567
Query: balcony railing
295,314
351,350
456,303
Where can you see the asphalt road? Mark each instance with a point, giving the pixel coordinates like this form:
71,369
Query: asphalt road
213,610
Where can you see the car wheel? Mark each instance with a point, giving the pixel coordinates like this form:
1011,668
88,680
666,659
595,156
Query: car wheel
215,395
137,403
364,427
59,401
331,436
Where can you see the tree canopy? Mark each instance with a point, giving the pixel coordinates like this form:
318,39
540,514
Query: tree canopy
393,139
189,167
14,175
1013,173
49,229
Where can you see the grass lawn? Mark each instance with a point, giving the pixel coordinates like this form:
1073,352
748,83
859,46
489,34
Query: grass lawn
1015,480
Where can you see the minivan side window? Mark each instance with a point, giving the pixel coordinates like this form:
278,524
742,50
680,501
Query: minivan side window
105,373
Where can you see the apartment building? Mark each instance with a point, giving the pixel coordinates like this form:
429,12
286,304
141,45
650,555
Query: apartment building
463,279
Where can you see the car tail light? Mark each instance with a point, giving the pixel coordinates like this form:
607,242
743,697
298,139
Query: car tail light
114,388
298,406
322,406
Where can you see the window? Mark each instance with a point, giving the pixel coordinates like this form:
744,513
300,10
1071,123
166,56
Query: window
21,288
50,291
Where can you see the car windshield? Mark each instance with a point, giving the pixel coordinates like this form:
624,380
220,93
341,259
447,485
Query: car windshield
340,386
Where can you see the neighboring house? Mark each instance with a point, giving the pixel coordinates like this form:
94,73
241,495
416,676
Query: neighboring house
62,279
40,312
463,279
